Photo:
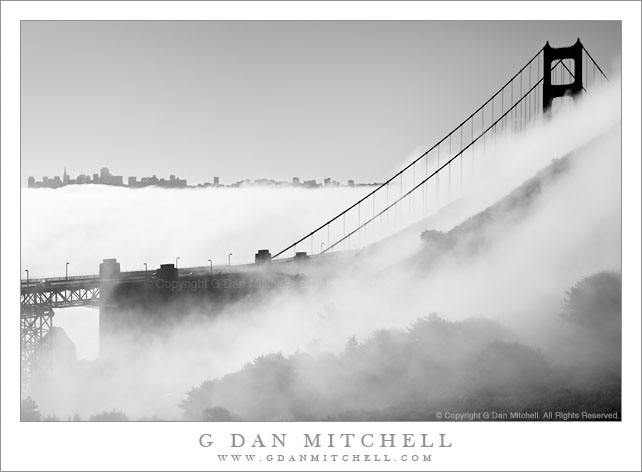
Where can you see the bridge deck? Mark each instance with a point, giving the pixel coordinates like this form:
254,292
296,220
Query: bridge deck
84,290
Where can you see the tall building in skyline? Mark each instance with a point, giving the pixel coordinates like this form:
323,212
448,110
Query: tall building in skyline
104,175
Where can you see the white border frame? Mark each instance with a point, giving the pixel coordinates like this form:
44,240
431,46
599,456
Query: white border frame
174,446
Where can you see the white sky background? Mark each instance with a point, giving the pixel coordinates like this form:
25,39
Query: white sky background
271,99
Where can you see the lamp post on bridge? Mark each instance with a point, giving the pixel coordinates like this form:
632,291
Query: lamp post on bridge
176,265
145,264
229,259
27,271
66,270
321,248
211,269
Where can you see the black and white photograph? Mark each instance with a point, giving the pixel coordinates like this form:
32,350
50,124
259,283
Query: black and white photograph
342,223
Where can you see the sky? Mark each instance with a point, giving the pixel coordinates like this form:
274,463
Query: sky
265,99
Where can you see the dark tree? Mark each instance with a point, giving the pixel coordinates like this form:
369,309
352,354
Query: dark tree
218,413
511,367
593,307
352,342
595,303
110,416
29,410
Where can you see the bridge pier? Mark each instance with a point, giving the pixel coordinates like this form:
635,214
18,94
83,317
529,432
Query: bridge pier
135,308
109,273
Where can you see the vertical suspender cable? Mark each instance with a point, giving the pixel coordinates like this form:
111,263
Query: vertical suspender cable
450,155
472,140
461,159
438,177
512,98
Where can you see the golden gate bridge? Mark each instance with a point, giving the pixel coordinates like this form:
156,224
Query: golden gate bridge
534,92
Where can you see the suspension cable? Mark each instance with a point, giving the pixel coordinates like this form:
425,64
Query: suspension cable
443,166
413,162
594,63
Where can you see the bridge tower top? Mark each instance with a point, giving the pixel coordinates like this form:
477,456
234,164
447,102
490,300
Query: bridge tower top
551,91
109,268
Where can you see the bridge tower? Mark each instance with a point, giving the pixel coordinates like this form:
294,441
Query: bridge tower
551,91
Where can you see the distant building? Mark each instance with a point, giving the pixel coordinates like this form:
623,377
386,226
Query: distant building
215,181
104,175
350,183
153,180
31,182
296,181
131,181
327,181
65,177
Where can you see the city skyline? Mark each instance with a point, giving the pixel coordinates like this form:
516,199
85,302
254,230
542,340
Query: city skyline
106,178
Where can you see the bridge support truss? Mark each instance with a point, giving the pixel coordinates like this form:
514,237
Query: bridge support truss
61,296
35,344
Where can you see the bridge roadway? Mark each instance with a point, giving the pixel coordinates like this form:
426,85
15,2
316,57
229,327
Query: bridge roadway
84,290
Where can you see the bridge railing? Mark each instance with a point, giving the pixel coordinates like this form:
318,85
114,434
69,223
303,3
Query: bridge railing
444,170
38,279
